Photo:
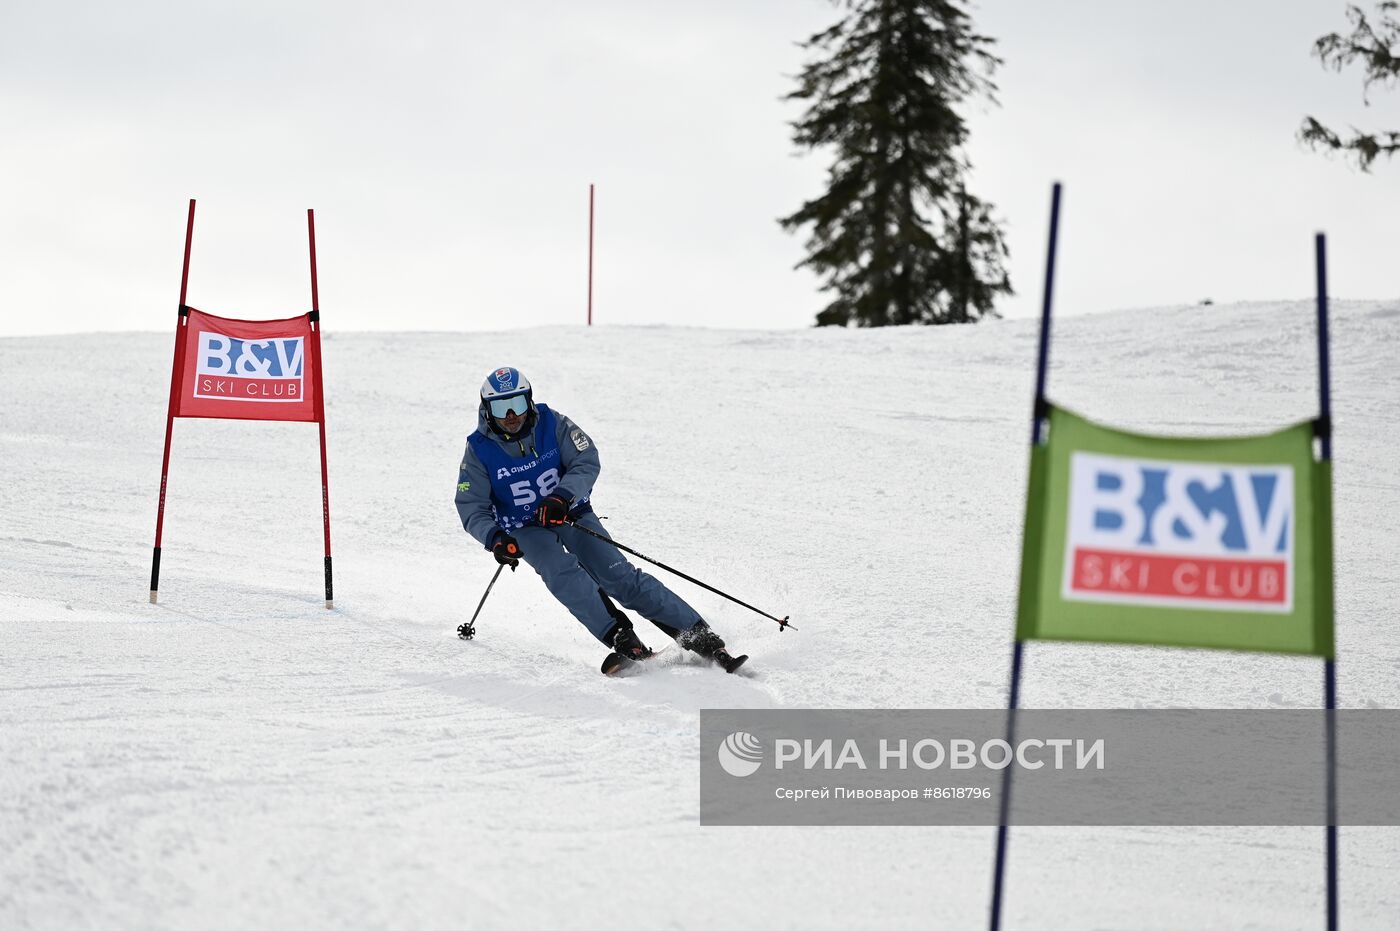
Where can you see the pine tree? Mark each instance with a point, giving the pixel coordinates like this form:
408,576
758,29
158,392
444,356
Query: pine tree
896,236
1374,45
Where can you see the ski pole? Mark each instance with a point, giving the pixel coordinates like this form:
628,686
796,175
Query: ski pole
782,623
468,630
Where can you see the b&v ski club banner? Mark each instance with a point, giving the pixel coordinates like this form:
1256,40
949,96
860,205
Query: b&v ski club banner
234,369
247,370
1181,542
1222,543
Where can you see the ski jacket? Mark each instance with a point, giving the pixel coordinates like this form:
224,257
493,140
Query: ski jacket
502,493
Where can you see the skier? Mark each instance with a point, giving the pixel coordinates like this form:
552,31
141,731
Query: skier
525,479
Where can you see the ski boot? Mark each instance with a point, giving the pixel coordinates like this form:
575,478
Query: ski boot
703,641
627,649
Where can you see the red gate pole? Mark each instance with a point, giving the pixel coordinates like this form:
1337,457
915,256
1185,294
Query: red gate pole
320,401
590,255
176,369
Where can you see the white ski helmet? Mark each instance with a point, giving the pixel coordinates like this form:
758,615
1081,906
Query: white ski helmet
504,391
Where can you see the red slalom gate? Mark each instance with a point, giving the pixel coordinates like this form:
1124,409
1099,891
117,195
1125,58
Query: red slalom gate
234,369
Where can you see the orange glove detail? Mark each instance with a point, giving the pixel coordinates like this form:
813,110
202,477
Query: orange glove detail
506,550
553,511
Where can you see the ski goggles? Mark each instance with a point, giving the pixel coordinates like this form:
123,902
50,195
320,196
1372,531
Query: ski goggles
499,407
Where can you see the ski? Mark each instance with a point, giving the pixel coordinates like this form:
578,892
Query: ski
615,664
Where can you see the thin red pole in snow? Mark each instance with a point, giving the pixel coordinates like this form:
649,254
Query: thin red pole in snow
320,401
185,270
311,235
590,255
175,370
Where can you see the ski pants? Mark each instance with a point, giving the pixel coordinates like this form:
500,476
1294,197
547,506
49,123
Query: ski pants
575,566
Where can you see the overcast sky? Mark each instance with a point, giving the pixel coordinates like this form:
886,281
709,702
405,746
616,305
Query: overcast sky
448,147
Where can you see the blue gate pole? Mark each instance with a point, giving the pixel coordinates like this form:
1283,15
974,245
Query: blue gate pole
1329,674
1039,412
999,871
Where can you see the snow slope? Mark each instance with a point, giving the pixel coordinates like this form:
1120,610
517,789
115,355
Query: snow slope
240,757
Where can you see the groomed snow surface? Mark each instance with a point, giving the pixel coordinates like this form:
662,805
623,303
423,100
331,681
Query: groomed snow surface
240,757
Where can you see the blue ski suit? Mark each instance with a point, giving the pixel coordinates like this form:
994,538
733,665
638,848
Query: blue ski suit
500,484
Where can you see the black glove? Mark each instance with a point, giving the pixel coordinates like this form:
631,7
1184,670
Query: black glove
553,511
506,550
